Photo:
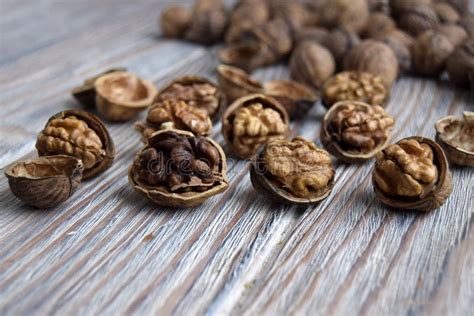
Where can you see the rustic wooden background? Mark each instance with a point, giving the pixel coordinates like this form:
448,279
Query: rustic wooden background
109,251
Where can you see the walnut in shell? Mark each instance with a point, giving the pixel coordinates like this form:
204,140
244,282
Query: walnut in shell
398,7
208,22
312,34
418,19
378,24
245,16
446,13
346,14
430,52
235,82
460,65
453,32
175,21
340,42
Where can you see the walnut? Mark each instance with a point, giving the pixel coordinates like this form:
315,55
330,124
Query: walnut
293,172
311,64
246,16
401,36
446,13
399,7
340,42
456,137
79,134
246,56
461,6
355,131
379,6
401,51
378,24
412,174
296,14
312,34
430,52
236,83
175,21
467,22
251,121
454,33
208,22
346,14
460,65
354,86
177,169
418,19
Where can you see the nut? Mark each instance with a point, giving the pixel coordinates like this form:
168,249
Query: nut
45,182
311,64
373,57
460,65
354,86
296,98
120,96
346,14
454,33
339,42
430,52
418,19
461,6
178,169
293,172
355,131
296,14
379,6
246,56
456,137
236,83
78,134
446,13
412,174
247,15
251,121
175,21
401,36
399,7
467,22
314,34
208,22
378,24
401,51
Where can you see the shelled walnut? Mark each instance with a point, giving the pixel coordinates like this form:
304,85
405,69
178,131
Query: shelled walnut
456,137
430,52
45,182
235,82
354,86
178,169
460,65
175,21
78,134
412,174
355,131
293,172
208,22
251,121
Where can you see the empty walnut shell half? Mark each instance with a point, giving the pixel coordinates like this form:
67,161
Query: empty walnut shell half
178,169
355,131
456,137
295,97
412,174
79,134
120,95
236,83
251,121
293,172
45,182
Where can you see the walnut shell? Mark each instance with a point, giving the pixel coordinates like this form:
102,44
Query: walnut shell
120,96
446,13
175,21
467,22
280,172
454,33
340,42
235,82
246,56
208,22
79,134
461,6
379,6
312,34
245,16
460,65
378,24
401,51
399,7
456,137
346,14
418,19
45,182
436,192
189,196
430,52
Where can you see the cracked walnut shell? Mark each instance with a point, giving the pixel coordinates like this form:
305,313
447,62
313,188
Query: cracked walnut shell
79,134
355,131
293,172
235,82
412,174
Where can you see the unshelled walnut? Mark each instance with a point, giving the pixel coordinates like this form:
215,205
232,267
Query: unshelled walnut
355,131
401,51
453,32
45,182
251,121
460,65
196,91
340,42
461,6
346,14
398,7
246,15
430,52
412,174
379,6
311,64
295,13
293,172
456,137
208,22
172,114
354,86
120,96
446,13
78,134
374,57
467,22
235,82
418,19
312,34
178,169
175,21
378,24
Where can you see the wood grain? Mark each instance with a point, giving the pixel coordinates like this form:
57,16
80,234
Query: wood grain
109,251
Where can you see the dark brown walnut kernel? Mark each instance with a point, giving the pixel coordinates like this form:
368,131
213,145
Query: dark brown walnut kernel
345,14
412,174
196,91
45,182
418,19
446,13
120,96
312,34
246,15
175,21
355,131
456,137
251,121
354,86
293,172
378,24
208,22
178,169
235,82
453,32
295,97
340,42
175,115
460,65
430,52
78,134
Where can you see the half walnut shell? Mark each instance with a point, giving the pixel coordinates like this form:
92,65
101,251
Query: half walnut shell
45,182
456,137
236,83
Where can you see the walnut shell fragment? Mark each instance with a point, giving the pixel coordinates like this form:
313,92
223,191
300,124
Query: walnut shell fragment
456,137
412,174
45,182
178,169
236,83
293,172
79,134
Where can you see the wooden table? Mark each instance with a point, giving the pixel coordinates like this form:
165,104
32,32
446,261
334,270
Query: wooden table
107,250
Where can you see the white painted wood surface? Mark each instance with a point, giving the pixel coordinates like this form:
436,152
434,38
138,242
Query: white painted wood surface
107,250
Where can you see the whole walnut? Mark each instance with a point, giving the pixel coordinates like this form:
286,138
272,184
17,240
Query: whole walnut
401,51
467,22
461,6
175,21
347,14
430,52
378,24
374,57
460,65
379,6
314,34
418,19
399,35
399,7
208,22
311,64
295,13
446,13
245,16
455,33
339,42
